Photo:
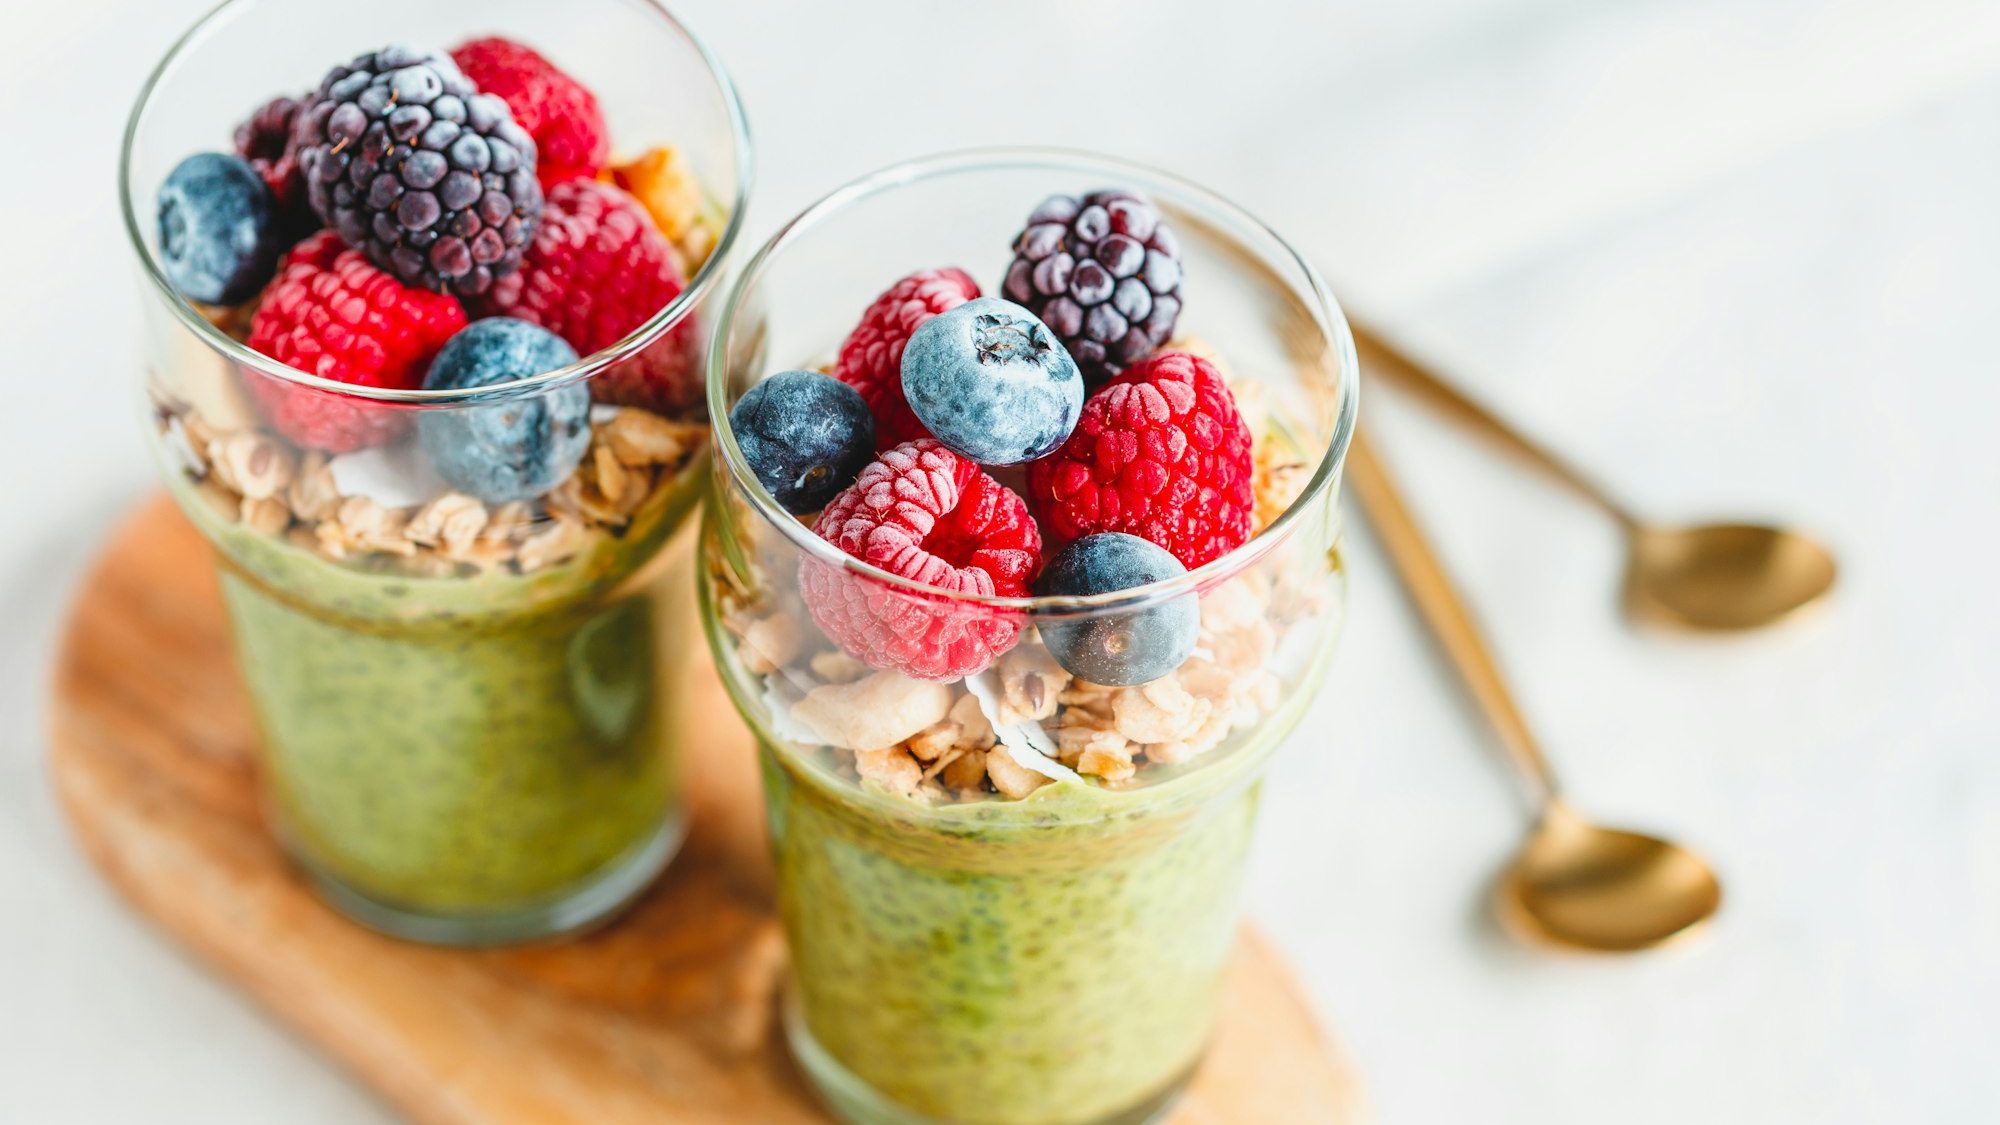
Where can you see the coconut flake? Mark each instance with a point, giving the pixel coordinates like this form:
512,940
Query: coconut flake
394,476
1026,742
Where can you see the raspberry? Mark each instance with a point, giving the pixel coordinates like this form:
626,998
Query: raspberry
554,108
265,140
330,313
410,162
1160,453
598,269
1104,273
925,513
871,359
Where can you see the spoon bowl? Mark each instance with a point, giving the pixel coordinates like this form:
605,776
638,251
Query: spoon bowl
1720,577
1582,886
1574,884
1724,576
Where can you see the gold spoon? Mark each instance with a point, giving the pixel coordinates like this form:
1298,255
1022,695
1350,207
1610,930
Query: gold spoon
1574,884
1720,576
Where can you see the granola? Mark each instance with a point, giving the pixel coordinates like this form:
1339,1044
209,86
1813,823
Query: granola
937,743
251,477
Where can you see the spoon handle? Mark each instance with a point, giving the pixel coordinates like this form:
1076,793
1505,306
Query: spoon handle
1380,356
1443,610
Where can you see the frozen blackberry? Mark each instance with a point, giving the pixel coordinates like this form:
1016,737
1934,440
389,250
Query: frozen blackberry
408,162
1104,273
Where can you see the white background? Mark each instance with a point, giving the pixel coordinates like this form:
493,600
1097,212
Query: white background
1739,257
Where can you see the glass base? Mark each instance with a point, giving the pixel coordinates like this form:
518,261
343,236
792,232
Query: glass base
853,1100
574,910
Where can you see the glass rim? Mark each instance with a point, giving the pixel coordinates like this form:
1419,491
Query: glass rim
705,279
1315,295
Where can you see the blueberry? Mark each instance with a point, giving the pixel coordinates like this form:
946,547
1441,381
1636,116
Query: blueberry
991,382
1117,649
220,233
514,449
805,435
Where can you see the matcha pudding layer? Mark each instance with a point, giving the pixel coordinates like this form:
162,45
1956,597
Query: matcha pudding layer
1051,961
457,743
463,746
460,771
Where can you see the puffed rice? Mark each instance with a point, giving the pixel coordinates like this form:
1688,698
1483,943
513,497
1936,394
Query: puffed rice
1031,683
452,521
1010,777
891,768
1161,711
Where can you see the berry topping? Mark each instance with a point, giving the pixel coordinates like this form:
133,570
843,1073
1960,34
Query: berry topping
598,269
330,313
265,141
218,229
1104,273
410,163
1117,649
924,513
805,435
989,381
871,359
514,449
1160,453
570,135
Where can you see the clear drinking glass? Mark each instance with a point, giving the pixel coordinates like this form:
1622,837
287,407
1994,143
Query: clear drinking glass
464,703
973,941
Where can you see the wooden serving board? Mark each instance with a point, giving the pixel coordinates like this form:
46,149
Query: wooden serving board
666,1015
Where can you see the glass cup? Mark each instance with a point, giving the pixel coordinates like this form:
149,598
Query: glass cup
1010,895
462,677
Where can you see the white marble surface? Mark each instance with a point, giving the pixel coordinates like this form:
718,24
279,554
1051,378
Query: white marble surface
1740,257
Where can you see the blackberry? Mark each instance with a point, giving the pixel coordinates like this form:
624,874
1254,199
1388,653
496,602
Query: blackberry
409,163
1104,273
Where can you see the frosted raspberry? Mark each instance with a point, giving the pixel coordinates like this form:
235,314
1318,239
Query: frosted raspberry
598,269
871,359
1160,453
332,313
924,513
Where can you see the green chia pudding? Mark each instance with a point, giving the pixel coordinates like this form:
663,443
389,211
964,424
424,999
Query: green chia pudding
479,744
461,768
1045,961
